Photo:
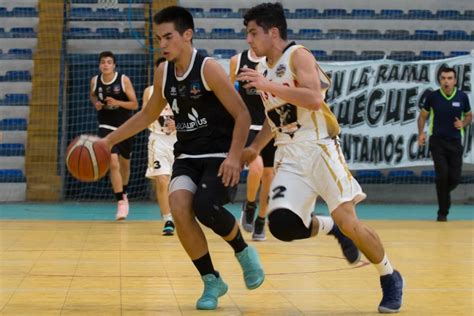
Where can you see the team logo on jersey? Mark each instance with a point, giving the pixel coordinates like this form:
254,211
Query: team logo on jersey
116,88
280,71
182,90
173,92
195,122
195,90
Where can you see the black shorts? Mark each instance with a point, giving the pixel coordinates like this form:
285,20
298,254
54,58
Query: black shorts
203,171
267,153
123,148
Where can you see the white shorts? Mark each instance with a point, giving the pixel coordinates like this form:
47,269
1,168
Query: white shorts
307,170
160,154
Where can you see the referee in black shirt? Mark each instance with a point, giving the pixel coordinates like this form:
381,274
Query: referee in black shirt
450,112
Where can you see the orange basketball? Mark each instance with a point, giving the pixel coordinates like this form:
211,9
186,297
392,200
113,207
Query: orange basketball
87,159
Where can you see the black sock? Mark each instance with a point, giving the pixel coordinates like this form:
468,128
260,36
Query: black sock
204,265
125,187
119,196
260,220
238,243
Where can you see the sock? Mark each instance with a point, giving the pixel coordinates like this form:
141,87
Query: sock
260,220
125,188
384,267
167,217
238,243
119,196
252,204
325,224
204,265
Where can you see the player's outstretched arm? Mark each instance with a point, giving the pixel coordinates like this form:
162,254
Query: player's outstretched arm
306,93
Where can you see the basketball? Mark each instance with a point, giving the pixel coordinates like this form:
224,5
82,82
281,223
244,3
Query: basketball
87,159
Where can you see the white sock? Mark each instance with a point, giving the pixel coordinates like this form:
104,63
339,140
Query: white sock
384,267
167,217
325,224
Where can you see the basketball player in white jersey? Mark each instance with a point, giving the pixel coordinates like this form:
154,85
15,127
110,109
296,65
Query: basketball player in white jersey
160,156
308,161
114,98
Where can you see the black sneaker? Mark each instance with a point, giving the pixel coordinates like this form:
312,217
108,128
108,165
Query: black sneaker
248,214
348,247
168,229
259,230
392,288
442,218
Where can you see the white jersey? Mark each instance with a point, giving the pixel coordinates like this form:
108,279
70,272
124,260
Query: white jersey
293,123
158,126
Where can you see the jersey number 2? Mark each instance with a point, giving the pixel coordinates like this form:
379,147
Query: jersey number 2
278,192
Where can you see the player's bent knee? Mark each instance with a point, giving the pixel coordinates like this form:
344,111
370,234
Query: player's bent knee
287,226
214,216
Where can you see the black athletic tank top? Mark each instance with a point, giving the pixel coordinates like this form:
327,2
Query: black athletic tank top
203,125
250,96
111,116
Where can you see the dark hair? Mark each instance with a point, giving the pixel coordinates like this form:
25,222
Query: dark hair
268,15
179,16
446,69
159,61
107,54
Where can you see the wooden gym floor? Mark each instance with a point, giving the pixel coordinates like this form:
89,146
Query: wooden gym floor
51,267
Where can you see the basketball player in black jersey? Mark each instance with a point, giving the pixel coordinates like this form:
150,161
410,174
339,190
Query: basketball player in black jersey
212,124
261,169
114,98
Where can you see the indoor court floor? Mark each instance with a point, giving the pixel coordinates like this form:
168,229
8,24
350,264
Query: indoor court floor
72,259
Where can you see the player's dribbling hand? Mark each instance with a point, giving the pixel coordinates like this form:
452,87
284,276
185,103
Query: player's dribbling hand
249,154
106,141
230,172
98,105
252,78
421,139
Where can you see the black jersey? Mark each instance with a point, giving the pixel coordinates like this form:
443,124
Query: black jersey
111,116
250,96
203,125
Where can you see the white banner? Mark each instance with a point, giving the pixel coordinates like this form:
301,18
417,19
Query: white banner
377,104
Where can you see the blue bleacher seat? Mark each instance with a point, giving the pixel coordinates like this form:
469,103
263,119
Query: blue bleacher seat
16,99
339,34
425,35
134,32
319,54
448,14
455,35
108,32
372,55
224,53
368,34
12,149
420,14
21,53
427,176
402,176
243,176
431,54
467,178
13,124
309,34
196,12
370,176
23,32
363,13
221,13
343,55
306,14
17,75
11,175
468,15
3,12
223,33
391,14
81,13
456,53
405,55
334,13
201,33
24,12
84,1
396,35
